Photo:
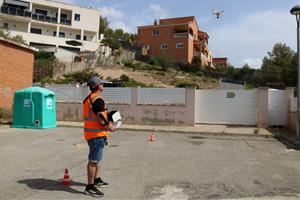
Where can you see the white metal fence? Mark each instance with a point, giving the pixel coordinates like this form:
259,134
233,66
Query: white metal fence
159,96
70,93
153,96
117,95
276,107
67,93
226,107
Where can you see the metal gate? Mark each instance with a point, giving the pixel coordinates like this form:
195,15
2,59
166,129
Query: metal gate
226,107
276,107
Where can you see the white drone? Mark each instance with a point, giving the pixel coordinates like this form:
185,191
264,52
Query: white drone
218,13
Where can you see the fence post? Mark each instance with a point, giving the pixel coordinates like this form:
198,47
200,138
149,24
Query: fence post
289,94
190,104
134,96
262,107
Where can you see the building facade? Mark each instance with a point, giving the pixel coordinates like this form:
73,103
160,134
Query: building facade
179,38
221,62
15,71
45,23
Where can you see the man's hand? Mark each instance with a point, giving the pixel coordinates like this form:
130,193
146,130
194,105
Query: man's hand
111,127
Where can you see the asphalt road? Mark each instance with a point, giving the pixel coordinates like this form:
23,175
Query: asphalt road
174,166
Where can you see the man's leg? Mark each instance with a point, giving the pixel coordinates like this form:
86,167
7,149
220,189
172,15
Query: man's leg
91,172
90,189
97,173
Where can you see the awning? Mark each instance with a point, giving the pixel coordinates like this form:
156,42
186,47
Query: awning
73,43
17,3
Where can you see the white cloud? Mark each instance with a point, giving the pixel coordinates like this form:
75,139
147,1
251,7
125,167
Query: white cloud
111,13
148,15
129,23
120,25
157,11
250,38
253,62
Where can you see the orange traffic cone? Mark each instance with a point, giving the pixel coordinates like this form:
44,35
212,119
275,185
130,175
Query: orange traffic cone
152,137
67,179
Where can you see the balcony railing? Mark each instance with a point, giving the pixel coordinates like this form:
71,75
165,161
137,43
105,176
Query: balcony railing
35,16
180,35
65,21
15,11
44,18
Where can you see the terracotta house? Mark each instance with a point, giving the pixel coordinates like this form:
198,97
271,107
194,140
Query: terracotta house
16,69
222,62
179,38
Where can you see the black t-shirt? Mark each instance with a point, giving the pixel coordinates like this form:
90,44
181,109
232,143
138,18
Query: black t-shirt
98,105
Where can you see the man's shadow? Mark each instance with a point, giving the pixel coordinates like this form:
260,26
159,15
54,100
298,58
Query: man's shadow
50,185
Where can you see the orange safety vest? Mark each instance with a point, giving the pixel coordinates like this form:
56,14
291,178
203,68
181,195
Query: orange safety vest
92,125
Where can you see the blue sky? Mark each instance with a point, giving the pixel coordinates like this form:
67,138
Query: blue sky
245,33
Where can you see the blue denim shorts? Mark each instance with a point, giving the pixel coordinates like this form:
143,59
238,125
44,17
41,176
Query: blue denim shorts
96,148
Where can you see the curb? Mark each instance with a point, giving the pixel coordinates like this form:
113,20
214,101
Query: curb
180,131
289,140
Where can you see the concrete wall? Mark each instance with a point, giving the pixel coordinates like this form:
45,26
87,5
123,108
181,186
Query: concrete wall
176,114
135,113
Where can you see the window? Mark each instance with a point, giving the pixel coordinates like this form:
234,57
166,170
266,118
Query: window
146,46
61,34
179,45
77,17
78,37
5,25
41,12
63,16
54,33
155,32
164,46
36,31
84,37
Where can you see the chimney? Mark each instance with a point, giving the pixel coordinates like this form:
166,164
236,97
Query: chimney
155,22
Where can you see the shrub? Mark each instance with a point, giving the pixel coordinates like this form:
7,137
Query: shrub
124,78
5,113
127,63
199,73
183,84
77,77
134,83
153,61
165,62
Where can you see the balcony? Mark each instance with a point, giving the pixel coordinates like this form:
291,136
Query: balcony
44,18
65,21
26,13
15,11
180,35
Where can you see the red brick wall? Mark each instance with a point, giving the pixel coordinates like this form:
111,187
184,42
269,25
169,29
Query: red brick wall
16,71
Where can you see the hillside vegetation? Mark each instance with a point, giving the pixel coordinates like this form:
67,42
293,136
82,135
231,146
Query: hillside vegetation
137,73
148,76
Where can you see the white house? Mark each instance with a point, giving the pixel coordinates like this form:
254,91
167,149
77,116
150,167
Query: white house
52,25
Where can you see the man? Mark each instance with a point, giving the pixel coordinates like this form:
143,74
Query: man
96,127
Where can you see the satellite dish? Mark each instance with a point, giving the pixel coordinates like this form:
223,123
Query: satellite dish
217,13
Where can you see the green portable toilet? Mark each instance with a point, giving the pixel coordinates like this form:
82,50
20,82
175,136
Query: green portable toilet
34,107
